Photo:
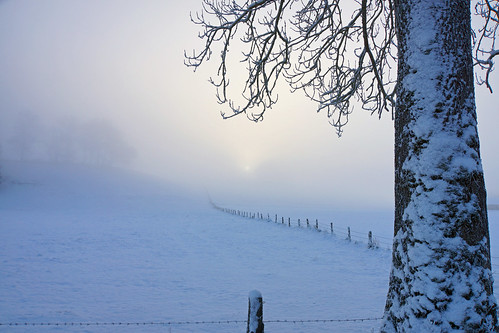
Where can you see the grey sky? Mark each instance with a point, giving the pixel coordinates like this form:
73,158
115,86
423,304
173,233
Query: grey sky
122,61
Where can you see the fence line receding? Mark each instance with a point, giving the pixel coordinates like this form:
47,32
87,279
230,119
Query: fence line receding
373,241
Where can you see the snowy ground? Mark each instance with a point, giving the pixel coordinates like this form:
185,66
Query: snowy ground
79,245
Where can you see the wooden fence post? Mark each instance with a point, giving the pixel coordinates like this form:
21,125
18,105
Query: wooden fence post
308,224
255,313
370,243
317,224
332,228
299,223
289,221
349,237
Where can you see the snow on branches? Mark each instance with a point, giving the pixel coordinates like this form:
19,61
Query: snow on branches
332,50
484,39
335,51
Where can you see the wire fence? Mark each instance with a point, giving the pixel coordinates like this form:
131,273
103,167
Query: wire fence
371,240
185,323
159,323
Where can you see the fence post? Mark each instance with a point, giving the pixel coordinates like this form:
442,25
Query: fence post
299,223
289,221
255,312
283,220
275,218
370,243
332,228
317,224
308,224
349,237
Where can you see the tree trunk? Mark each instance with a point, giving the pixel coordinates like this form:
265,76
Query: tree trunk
441,277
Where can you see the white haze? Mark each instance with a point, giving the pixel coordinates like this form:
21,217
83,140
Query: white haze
104,82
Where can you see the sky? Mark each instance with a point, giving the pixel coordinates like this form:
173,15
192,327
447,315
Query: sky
80,73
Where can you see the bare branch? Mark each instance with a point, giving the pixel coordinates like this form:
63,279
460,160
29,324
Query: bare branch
336,51
485,39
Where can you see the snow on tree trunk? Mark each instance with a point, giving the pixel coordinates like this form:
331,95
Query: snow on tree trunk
441,279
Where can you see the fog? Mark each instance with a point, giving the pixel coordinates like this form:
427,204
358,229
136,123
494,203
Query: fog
103,82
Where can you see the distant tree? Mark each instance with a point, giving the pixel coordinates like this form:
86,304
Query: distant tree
100,142
24,134
61,143
62,138
341,51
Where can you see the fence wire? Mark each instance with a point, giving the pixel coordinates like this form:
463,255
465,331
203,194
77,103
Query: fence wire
375,242
313,224
322,320
182,323
159,323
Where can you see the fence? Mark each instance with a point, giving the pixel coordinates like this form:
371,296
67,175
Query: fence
254,323
372,241
179,323
254,312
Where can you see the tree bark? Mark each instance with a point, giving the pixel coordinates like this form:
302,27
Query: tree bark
441,277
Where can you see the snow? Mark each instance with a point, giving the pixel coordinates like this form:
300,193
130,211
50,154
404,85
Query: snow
254,315
434,281
254,295
85,245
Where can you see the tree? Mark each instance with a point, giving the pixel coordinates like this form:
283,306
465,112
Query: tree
441,276
25,131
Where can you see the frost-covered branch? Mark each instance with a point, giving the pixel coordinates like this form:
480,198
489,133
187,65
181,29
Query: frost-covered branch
266,56
485,38
336,51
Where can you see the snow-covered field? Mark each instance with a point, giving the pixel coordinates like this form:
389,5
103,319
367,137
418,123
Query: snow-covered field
80,245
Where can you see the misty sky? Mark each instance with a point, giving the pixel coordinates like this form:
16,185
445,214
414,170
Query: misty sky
119,64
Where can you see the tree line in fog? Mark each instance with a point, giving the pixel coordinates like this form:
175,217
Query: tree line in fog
26,135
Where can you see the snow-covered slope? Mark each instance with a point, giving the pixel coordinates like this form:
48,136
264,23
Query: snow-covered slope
81,245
